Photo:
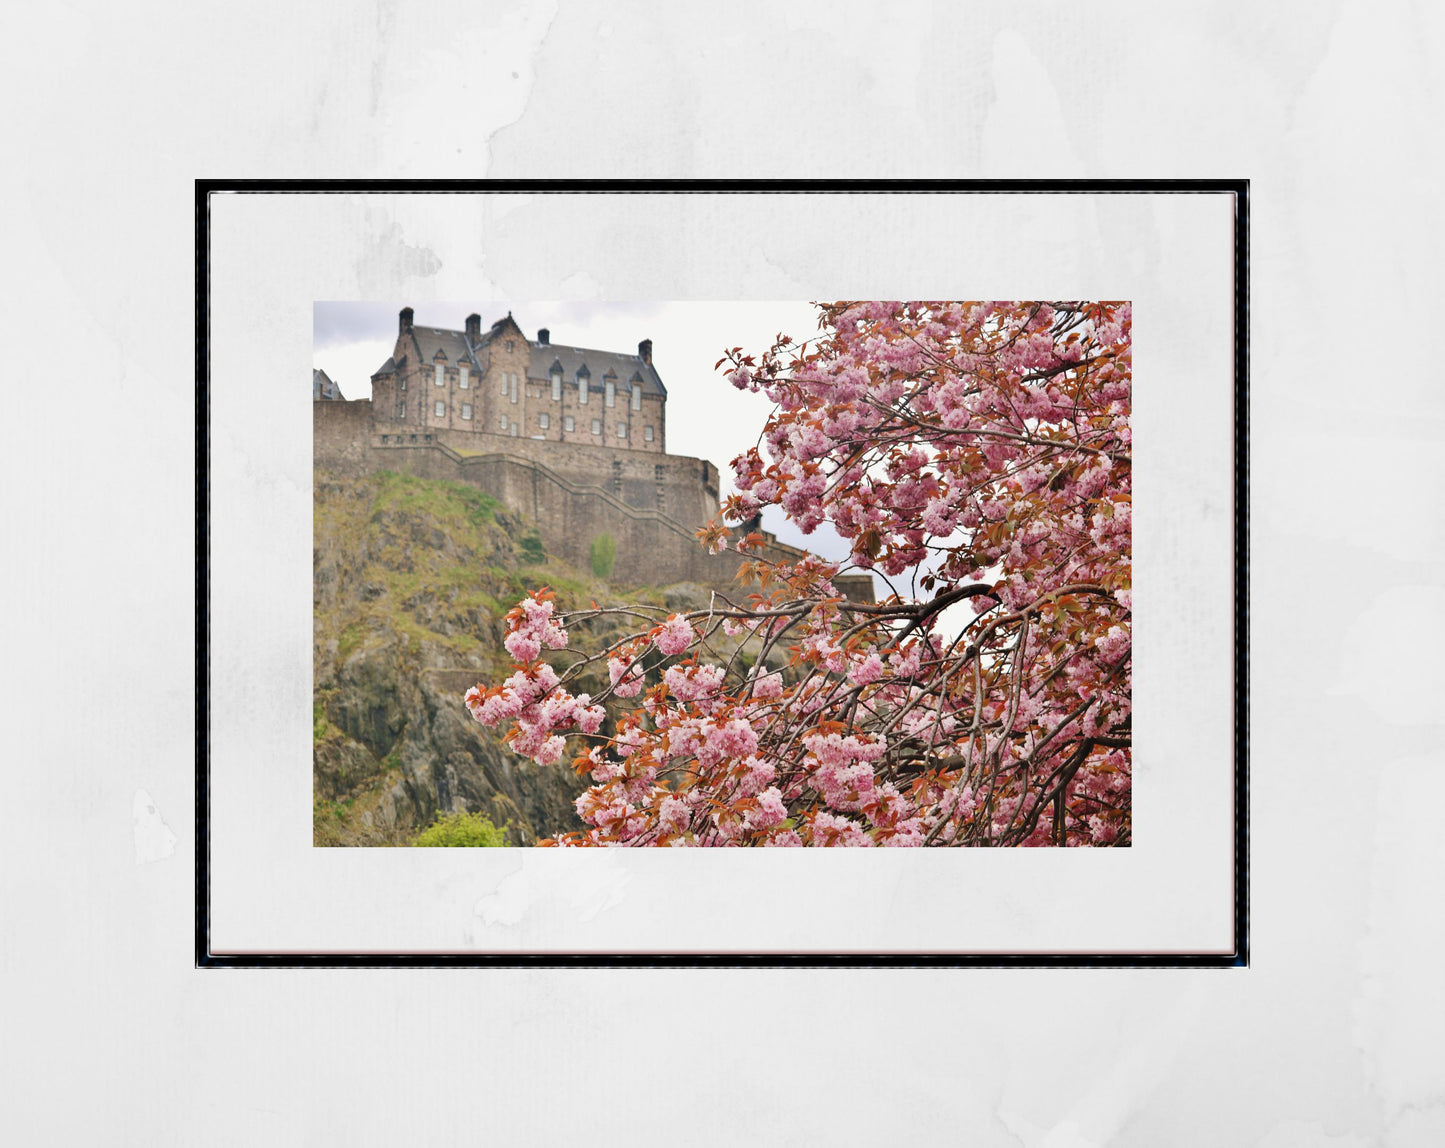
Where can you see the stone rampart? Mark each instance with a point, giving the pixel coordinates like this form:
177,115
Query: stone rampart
546,482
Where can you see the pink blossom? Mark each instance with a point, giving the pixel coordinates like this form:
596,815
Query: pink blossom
767,686
675,637
869,670
522,645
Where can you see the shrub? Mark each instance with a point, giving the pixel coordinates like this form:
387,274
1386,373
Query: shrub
463,829
531,547
604,553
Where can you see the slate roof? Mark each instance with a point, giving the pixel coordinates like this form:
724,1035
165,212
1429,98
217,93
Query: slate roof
453,344
323,388
624,367
387,368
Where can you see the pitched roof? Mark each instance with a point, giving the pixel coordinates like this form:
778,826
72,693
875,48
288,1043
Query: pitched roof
545,355
322,386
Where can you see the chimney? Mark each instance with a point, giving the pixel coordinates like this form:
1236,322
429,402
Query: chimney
544,336
474,329
405,324
644,349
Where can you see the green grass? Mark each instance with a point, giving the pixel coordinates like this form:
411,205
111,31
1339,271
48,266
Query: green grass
443,499
350,640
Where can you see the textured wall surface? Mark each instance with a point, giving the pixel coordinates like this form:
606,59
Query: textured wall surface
1331,1038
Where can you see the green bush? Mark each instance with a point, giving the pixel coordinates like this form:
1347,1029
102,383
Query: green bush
604,553
470,830
531,547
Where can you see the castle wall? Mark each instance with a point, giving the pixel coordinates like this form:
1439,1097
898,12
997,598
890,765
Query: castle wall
555,485
682,488
341,434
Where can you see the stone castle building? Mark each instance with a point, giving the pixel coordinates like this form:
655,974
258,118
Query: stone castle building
574,438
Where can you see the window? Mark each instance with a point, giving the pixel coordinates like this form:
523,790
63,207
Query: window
403,384
582,388
506,384
544,421
611,399
441,374
596,426
504,424
510,344
515,390
466,410
556,386
462,376
441,409
621,430
637,396
515,429
646,434
569,424
401,409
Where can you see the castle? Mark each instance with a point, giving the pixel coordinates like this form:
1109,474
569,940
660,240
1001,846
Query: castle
573,437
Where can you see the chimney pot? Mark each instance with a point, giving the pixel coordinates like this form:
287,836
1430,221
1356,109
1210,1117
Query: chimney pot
405,321
544,336
644,349
474,328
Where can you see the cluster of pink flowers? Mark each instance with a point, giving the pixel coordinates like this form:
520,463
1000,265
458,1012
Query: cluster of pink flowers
694,684
626,682
534,631
675,636
533,697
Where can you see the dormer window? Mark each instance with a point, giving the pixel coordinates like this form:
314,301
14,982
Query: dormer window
556,376
637,396
462,376
441,374
584,376
611,393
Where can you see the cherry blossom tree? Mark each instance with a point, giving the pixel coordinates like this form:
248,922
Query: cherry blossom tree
983,450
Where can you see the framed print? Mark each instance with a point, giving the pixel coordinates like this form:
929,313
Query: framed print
636,514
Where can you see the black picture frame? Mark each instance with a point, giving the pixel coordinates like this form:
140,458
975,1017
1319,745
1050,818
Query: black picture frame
1238,189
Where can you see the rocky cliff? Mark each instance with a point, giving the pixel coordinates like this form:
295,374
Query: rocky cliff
412,580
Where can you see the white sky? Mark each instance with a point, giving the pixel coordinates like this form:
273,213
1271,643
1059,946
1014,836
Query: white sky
706,416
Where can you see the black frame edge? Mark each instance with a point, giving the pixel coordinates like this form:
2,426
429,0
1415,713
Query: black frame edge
1239,958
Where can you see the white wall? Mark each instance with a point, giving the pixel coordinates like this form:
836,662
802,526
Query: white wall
1332,1037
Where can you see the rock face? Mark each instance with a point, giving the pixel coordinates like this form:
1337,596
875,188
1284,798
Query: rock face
412,579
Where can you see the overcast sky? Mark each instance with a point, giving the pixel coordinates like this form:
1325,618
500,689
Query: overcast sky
706,416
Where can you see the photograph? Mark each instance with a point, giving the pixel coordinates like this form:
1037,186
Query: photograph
722,574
